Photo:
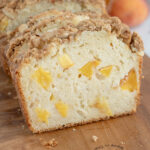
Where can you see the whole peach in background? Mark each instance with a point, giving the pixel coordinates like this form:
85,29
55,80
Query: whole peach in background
131,12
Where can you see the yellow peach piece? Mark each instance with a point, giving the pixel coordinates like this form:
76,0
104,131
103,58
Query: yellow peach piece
62,108
58,75
130,82
43,78
95,63
103,106
65,61
87,69
52,97
42,115
106,71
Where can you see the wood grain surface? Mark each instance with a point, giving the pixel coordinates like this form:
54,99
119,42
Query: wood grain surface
124,133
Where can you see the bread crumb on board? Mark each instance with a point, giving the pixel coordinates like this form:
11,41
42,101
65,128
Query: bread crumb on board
94,138
49,144
74,129
9,93
122,142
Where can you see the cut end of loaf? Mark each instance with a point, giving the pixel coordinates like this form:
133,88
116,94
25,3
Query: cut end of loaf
94,77
17,13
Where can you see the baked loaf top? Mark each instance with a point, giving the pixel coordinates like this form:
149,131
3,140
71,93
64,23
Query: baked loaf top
16,12
4,3
40,32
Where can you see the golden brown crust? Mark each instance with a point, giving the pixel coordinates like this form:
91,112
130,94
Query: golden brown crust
21,98
136,43
140,77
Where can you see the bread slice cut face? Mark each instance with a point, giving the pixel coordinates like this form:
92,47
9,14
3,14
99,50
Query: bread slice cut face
76,74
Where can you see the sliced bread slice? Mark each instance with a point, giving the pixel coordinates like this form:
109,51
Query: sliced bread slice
17,12
77,73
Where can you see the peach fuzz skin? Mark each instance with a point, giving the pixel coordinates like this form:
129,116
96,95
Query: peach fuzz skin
131,12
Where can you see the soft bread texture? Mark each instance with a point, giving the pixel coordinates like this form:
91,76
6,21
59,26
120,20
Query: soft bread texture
77,73
17,12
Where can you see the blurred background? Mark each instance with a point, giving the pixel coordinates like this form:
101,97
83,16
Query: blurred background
135,13
144,31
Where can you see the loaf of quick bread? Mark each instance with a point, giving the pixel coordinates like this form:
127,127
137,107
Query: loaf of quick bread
16,12
73,69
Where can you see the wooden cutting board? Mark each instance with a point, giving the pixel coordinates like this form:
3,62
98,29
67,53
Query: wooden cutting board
124,133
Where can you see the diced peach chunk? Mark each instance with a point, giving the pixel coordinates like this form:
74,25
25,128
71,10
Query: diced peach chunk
129,82
106,71
87,69
103,106
65,61
62,108
95,63
43,78
42,115
58,75
52,97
